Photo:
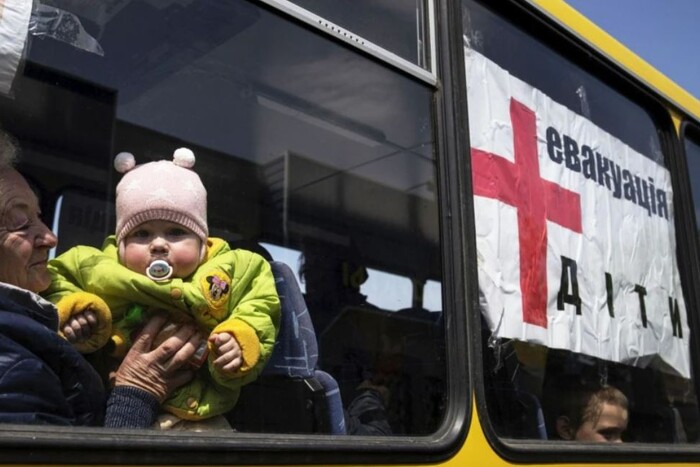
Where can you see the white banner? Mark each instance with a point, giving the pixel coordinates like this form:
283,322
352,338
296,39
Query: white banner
574,228
14,24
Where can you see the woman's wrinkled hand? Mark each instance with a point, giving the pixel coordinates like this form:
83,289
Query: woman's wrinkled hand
163,369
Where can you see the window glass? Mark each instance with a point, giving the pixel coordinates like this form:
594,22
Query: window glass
386,290
311,153
399,27
692,152
566,83
432,296
577,259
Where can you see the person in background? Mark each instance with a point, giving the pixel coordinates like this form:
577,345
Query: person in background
43,379
367,414
592,413
162,258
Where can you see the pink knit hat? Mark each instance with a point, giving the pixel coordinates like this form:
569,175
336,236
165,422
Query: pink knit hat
161,190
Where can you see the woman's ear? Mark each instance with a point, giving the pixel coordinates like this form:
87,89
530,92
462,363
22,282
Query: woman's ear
564,428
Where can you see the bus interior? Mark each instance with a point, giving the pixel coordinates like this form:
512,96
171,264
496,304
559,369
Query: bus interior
320,156
286,162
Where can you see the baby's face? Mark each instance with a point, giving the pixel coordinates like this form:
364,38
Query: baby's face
163,240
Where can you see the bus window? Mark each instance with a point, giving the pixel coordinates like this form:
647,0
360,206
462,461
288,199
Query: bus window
432,296
386,290
399,27
310,151
692,153
579,284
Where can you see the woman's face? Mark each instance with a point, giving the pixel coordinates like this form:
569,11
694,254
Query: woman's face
25,240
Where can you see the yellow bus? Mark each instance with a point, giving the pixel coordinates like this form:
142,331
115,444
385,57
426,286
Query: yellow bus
485,209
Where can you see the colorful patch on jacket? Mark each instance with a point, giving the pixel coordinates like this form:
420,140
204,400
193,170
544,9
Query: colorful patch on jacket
216,287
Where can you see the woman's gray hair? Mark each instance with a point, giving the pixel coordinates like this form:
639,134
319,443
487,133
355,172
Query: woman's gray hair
8,150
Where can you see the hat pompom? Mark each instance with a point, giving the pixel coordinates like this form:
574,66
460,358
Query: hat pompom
184,157
124,161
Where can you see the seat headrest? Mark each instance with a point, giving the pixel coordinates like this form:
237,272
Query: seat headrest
296,349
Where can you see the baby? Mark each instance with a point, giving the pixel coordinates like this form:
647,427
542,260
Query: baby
161,258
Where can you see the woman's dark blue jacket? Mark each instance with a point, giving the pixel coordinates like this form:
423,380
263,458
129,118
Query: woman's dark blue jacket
43,379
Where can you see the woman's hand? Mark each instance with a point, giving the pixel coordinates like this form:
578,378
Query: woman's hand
161,370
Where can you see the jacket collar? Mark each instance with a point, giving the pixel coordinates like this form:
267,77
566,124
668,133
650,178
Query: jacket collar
16,300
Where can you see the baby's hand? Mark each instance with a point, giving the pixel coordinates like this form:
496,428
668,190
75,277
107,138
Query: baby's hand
230,357
80,327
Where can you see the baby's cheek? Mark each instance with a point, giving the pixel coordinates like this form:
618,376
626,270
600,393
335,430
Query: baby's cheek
135,259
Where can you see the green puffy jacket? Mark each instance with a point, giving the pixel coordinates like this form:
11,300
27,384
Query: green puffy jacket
231,291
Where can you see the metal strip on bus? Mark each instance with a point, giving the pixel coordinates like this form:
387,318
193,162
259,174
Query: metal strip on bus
432,35
358,42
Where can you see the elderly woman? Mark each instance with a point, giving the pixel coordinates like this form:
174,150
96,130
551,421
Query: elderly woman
43,379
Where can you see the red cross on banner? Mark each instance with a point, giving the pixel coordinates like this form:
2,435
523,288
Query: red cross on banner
519,184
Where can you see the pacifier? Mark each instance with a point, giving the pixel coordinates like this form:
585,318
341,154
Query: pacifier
159,270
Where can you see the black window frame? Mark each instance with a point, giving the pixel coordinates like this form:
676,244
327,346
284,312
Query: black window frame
48,444
560,39
689,130
425,73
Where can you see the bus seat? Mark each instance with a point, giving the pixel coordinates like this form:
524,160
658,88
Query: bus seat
296,350
673,423
514,389
290,379
363,343
535,427
519,413
336,414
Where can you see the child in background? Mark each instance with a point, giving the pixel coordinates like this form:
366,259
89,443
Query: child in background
161,258
592,413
